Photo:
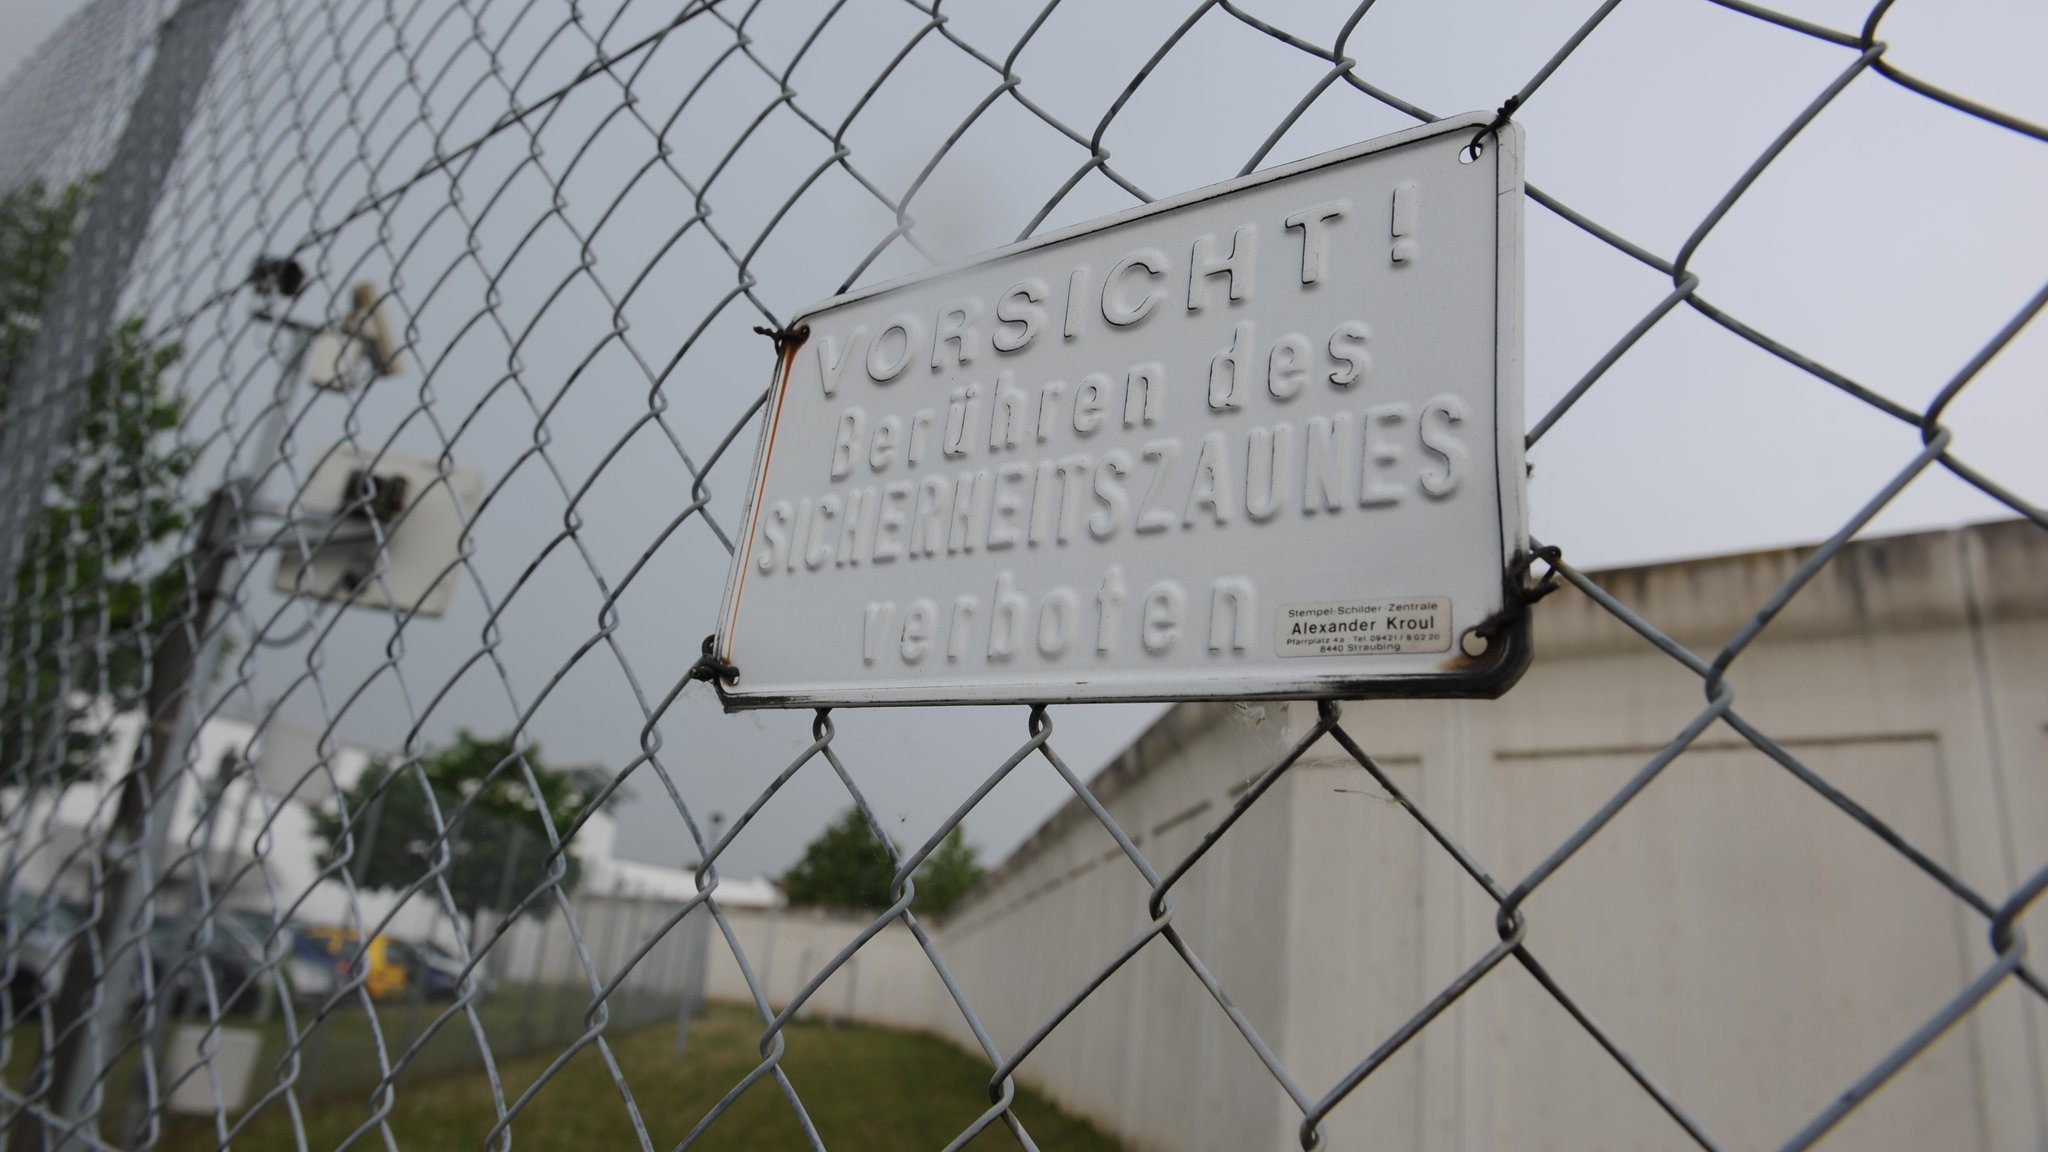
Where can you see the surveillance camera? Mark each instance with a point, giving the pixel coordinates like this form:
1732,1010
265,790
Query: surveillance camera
381,498
272,275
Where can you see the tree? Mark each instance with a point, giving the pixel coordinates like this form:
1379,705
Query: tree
949,873
846,866
497,846
95,586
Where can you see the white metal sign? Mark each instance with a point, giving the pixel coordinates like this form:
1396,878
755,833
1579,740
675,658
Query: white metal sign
1260,440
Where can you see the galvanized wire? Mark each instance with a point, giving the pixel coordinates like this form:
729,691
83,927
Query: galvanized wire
398,105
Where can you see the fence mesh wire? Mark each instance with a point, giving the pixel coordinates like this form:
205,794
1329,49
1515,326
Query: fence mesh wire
577,216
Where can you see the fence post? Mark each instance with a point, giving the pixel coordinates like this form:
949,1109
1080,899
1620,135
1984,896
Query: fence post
803,976
638,978
768,953
309,1067
501,964
79,313
700,964
611,936
684,931
572,986
133,848
543,933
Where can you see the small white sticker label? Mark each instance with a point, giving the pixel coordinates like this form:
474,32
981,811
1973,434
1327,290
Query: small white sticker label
1365,627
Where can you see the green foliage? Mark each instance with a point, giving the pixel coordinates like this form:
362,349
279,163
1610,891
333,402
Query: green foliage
35,241
948,874
846,866
95,586
499,828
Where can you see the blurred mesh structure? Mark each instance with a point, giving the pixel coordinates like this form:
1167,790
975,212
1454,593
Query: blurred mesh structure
543,200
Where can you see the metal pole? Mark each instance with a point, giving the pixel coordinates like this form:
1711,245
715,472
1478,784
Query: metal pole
309,1069
527,999
636,980
499,964
369,844
78,313
132,852
700,964
768,953
611,929
668,965
664,984
685,1010
803,976
207,815
267,989
693,958
569,988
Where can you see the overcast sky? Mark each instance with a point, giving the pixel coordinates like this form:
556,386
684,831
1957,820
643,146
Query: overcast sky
1890,242
25,26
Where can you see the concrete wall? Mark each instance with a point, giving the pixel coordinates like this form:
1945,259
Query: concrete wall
1754,947
889,981
539,948
1150,1054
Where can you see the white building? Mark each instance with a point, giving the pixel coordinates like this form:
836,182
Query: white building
259,849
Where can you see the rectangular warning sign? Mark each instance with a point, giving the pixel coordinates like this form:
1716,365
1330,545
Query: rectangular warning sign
1170,454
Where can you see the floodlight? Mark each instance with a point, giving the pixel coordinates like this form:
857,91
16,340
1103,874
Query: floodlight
412,550
381,498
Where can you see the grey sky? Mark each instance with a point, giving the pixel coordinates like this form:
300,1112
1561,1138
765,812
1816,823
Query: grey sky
1890,242
25,26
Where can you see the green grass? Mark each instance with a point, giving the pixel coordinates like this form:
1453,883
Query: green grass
338,1055
865,1089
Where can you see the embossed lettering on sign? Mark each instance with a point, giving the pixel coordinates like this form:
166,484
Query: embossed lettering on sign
1227,433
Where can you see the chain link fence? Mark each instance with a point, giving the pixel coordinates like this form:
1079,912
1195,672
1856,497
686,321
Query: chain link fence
254,251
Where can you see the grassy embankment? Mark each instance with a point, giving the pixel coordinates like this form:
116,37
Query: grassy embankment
865,1090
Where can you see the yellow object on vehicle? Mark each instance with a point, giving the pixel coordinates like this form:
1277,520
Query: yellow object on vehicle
387,977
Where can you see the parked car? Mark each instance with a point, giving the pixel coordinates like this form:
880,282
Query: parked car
39,937
435,970
310,967
386,977
43,931
231,954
